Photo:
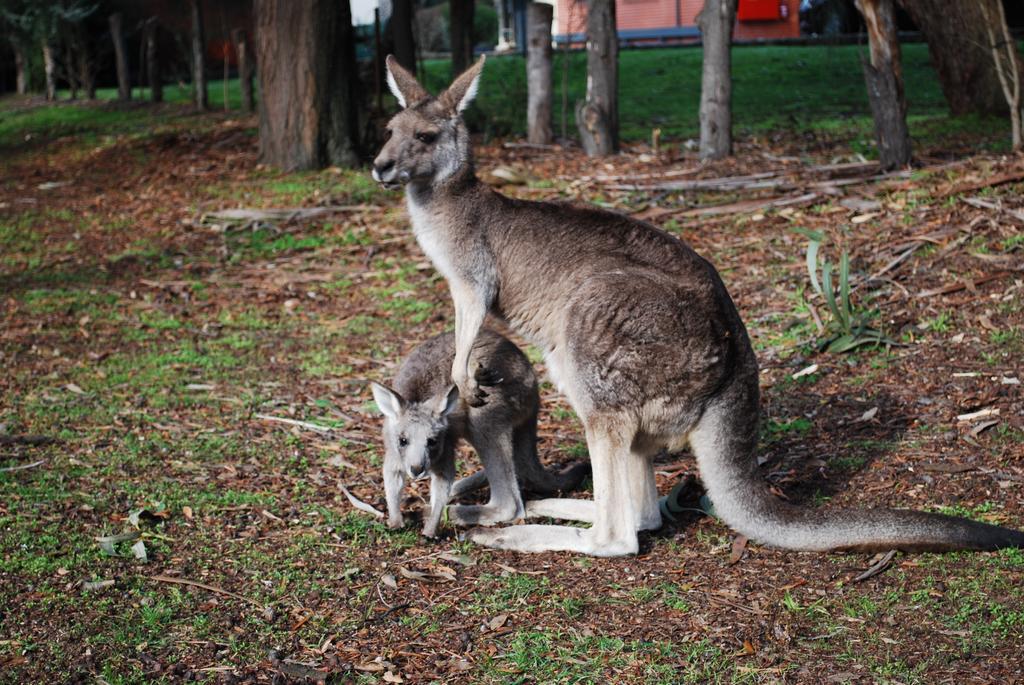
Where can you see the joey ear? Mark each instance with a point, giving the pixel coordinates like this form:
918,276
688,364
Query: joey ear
463,89
449,402
403,85
389,401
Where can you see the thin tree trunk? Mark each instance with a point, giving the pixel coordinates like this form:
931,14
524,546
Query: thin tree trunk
156,84
70,72
50,70
716,21
401,33
461,29
598,118
1008,66
85,68
244,68
124,88
883,73
538,72
21,75
199,56
958,45
308,84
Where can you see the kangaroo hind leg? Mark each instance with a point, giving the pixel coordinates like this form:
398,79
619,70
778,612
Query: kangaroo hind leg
615,519
506,503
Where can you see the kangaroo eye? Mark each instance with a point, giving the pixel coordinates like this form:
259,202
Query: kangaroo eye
403,441
426,137
431,442
387,134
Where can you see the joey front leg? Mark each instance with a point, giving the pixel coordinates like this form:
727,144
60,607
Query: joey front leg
394,481
471,304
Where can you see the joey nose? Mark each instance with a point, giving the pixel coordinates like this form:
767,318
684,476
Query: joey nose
416,470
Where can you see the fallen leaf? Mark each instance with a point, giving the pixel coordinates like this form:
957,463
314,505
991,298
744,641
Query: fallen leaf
497,622
739,546
108,542
139,551
390,677
389,580
71,387
868,415
806,371
94,585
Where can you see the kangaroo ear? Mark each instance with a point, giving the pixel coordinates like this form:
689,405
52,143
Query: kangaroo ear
390,402
403,85
462,91
449,402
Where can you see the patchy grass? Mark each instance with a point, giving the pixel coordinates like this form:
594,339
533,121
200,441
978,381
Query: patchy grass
163,354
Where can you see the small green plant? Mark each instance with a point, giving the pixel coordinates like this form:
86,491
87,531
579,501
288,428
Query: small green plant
848,328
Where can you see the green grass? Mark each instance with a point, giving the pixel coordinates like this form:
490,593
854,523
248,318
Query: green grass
774,87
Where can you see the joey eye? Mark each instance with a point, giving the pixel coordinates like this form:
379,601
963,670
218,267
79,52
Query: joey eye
403,441
387,134
431,442
426,137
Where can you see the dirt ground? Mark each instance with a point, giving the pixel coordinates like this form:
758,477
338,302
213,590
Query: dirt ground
148,339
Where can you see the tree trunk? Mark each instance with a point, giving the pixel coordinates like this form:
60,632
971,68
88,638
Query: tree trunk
958,45
199,56
238,37
124,88
716,21
21,71
401,33
538,72
1007,63
308,84
156,83
85,68
461,29
50,70
883,73
70,72
598,118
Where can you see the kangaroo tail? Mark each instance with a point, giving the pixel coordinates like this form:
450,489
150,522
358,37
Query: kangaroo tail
725,457
531,472
547,482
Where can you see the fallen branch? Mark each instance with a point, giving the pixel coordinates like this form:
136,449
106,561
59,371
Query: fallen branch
964,285
8,469
293,422
876,568
995,206
248,215
361,505
204,586
989,182
748,206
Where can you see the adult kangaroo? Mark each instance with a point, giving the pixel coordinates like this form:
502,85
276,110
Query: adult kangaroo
637,330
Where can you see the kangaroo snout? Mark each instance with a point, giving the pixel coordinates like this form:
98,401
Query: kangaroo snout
418,470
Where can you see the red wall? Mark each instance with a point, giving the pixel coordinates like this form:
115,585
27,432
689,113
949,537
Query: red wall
650,14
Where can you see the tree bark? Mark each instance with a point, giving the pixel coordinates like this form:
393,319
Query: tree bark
199,56
156,84
20,75
70,72
716,21
238,37
86,75
1007,63
50,70
538,72
598,118
401,33
308,84
883,73
958,45
124,88
461,30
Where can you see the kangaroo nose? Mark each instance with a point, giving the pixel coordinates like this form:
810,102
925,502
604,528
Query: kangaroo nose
382,168
416,470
